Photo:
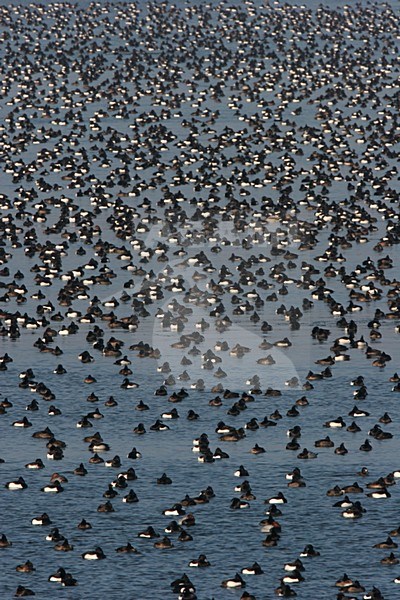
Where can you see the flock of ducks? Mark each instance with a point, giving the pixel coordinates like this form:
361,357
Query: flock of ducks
184,187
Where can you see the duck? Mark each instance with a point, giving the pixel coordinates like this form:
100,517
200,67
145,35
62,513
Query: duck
380,494
388,543
278,499
345,503
324,443
182,586
344,581
53,488
363,472
159,426
243,487
44,519
23,591
241,472
390,560
292,577
296,565
27,567
294,473
184,536
257,449
307,454
114,462
366,446
341,450
64,546
254,569
58,576
354,512
309,551
173,414
353,488
107,507
297,482
17,484
356,412
96,554
219,454
239,504
96,459
164,480
353,427
200,562
163,544
385,419
134,454
285,591
81,470
110,492
4,542
294,446
24,423
148,533
235,582
130,497
127,549
55,536
173,527
377,433
192,415
99,446
84,525
176,510
374,594
271,540
355,588
335,423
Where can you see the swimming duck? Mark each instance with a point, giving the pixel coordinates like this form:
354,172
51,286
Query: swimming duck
164,543
96,554
44,519
278,499
239,504
296,565
255,569
200,562
354,512
176,510
235,582
388,543
309,551
18,484
4,542
127,549
27,567
285,591
64,546
390,560
292,577
54,488
84,525
380,494
22,591
307,454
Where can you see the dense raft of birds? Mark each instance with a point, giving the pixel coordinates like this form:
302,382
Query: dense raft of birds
183,188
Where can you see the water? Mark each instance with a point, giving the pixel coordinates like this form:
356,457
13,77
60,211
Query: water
231,539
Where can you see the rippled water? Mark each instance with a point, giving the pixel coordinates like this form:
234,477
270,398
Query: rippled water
230,539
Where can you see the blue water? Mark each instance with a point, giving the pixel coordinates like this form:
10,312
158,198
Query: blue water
231,539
